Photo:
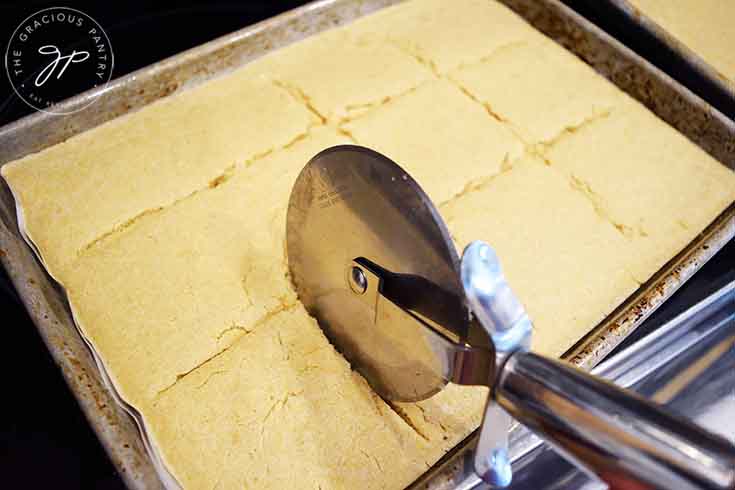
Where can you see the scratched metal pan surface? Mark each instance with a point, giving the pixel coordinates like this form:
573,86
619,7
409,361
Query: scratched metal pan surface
46,301
635,17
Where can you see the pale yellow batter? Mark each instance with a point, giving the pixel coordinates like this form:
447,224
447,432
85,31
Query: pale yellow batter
467,146
704,26
550,240
166,227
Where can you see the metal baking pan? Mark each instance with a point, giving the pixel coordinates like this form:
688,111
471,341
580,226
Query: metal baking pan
50,311
633,18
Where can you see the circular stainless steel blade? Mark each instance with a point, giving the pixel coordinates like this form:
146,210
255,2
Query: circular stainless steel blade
350,202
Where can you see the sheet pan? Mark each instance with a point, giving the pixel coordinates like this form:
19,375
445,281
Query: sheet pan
46,301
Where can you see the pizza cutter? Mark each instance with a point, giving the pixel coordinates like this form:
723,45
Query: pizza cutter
372,260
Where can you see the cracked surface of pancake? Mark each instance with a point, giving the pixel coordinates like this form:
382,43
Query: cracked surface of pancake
464,150
183,283
282,391
559,92
534,239
345,73
658,188
97,183
443,35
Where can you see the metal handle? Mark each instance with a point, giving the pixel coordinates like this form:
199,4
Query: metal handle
626,440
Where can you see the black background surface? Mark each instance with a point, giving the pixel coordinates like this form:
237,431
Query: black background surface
44,438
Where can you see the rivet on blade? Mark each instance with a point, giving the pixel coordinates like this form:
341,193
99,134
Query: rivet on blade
358,281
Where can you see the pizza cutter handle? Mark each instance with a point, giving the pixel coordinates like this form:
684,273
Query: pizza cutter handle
630,442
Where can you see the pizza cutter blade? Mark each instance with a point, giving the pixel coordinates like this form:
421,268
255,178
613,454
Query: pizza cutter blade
373,262
355,215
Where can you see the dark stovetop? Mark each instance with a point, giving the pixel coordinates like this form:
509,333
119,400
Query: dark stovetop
44,438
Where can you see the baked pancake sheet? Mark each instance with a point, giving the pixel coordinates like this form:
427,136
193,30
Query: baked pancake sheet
166,228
